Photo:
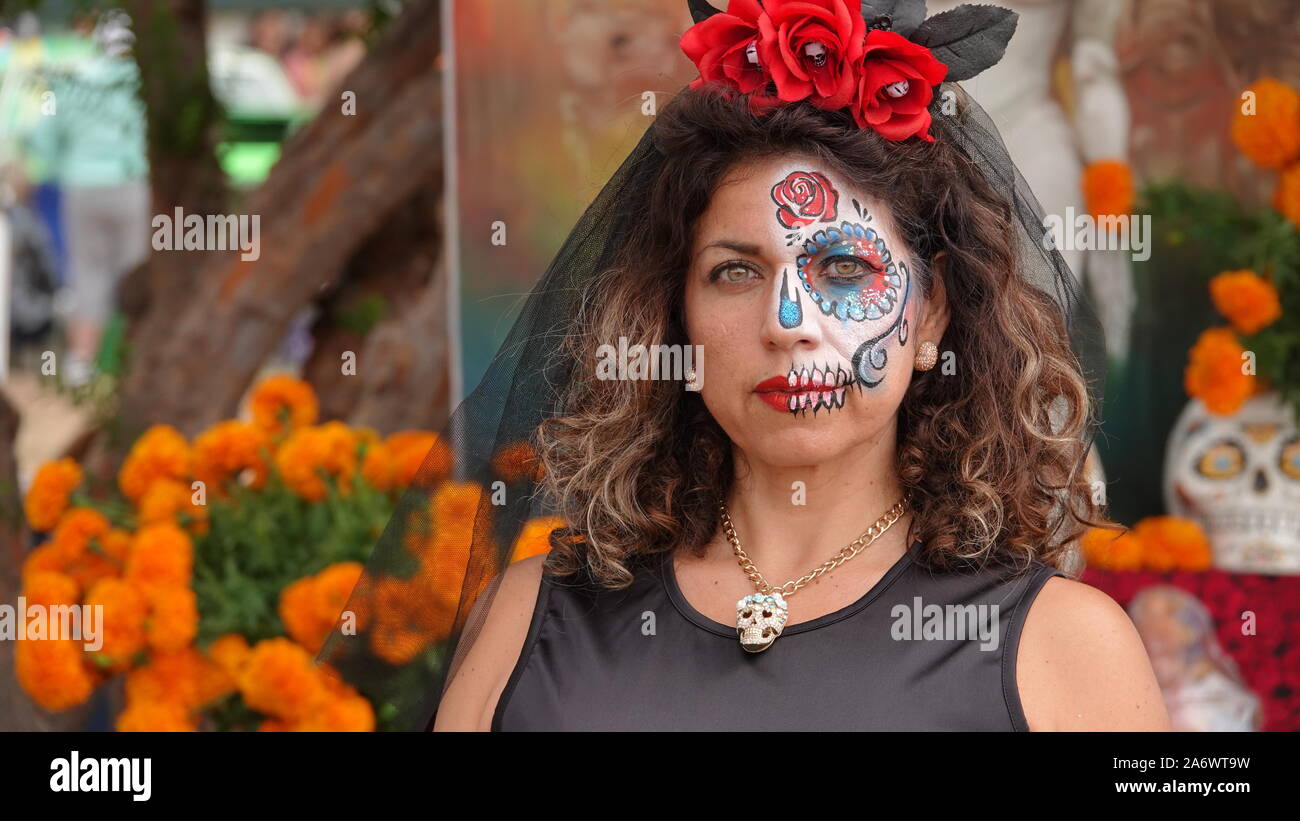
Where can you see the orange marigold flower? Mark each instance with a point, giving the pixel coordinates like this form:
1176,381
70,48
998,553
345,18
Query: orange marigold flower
166,499
412,448
229,651
518,461
232,450
338,714
45,559
48,496
1270,136
1174,543
156,717
1286,198
76,530
307,453
343,709
50,589
103,558
1107,549
282,403
1215,372
280,679
161,453
377,466
162,556
53,673
407,619
185,677
173,618
310,607
534,537
122,624
456,507
1248,300
1108,188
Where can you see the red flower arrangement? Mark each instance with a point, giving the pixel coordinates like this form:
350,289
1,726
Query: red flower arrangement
824,52
1266,647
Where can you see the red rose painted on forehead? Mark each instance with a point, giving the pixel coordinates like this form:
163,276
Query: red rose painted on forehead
805,197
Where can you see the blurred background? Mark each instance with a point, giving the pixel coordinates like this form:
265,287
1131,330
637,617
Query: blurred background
402,173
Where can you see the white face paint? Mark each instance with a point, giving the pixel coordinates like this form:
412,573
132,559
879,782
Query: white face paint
1238,477
803,299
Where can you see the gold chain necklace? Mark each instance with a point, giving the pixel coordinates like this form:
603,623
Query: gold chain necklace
761,616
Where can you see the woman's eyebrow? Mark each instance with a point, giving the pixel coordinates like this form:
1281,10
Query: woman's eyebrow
735,245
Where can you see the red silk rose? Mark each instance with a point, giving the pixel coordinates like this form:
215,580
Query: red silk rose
804,197
811,48
720,46
889,59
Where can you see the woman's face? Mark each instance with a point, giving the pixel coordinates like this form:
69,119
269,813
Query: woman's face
807,310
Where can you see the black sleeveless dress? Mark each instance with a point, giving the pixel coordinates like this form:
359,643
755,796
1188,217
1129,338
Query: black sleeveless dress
921,650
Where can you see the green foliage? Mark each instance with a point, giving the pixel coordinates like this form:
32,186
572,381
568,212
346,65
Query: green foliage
260,541
1217,233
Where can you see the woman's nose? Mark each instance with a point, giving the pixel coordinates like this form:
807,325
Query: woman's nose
788,322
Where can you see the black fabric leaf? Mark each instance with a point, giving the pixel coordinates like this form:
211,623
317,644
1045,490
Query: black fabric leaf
701,10
967,39
904,15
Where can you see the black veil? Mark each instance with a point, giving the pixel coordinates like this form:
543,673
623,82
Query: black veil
429,583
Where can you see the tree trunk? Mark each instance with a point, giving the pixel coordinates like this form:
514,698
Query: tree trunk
391,278
339,179
184,122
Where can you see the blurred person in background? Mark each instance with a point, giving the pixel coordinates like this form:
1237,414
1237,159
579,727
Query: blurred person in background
32,262
94,146
268,32
327,48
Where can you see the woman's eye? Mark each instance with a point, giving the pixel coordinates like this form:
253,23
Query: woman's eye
734,274
845,267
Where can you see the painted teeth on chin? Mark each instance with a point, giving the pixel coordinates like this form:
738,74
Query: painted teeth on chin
794,403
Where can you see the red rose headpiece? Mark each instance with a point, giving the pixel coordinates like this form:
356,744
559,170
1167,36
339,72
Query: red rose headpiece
881,62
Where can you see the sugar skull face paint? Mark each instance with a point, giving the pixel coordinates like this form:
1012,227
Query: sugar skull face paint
800,290
851,275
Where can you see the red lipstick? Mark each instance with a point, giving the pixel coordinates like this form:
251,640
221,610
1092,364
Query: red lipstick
805,389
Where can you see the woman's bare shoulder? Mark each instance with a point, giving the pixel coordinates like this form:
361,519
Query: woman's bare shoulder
1081,664
471,698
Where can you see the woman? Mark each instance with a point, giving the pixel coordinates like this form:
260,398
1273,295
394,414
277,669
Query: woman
882,345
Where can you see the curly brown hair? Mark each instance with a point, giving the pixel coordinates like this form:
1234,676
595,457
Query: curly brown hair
992,453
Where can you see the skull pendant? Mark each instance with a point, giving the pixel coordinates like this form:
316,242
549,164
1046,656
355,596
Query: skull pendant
759,620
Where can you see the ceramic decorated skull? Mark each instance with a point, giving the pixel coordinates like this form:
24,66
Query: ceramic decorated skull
760,619
1238,477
